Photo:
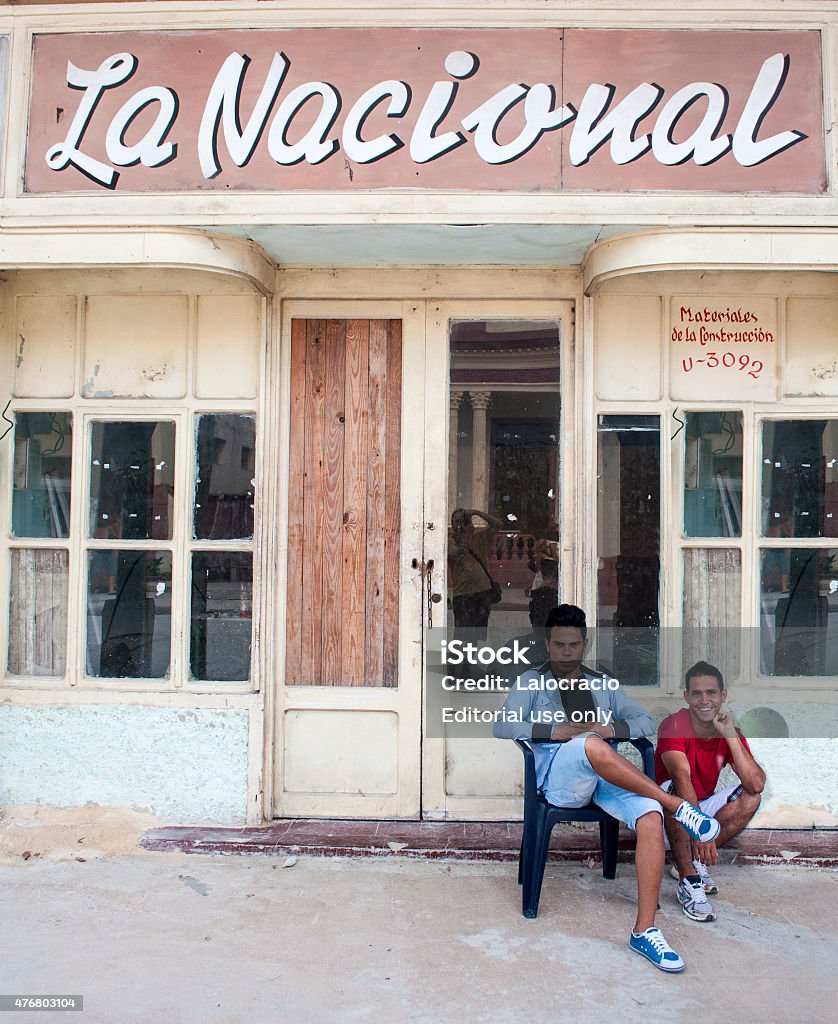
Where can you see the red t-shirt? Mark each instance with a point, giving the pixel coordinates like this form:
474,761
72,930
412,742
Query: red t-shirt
706,757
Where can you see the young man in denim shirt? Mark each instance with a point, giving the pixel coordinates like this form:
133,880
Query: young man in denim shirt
569,713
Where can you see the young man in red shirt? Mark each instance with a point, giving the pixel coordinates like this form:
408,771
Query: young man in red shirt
693,746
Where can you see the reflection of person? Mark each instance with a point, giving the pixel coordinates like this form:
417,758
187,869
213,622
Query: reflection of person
776,562
546,596
694,745
574,765
467,564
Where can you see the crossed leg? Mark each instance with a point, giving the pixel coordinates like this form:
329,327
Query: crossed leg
733,818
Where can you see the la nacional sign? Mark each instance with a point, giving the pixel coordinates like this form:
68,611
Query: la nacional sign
356,109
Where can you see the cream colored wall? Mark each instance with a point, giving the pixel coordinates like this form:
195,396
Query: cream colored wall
632,371
121,343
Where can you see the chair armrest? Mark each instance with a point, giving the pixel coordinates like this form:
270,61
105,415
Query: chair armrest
530,786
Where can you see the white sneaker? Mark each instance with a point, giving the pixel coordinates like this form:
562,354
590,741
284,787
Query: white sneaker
710,886
707,880
693,901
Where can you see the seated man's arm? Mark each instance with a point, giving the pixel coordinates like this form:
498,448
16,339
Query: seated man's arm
750,774
513,720
678,766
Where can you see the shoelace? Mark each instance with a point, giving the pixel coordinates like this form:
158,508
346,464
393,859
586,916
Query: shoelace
658,942
691,816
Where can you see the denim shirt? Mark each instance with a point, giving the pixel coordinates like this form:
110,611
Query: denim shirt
525,706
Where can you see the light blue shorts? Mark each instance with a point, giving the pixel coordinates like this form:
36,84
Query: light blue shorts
572,782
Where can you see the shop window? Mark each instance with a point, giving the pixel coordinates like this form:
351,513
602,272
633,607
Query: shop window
713,474
503,482
129,551
221,603
132,468
800,478
628,526
41,481
38,612
43,449
798,582
712,608
224,479
129,613
221,592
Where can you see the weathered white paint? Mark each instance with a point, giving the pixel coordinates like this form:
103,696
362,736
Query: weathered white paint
228,335
183,765
44,344
811,346
151,334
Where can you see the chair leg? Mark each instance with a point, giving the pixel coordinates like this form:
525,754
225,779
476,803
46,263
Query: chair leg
534,872
609,832
521,853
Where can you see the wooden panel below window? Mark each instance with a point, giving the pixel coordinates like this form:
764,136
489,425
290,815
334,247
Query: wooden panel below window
344,503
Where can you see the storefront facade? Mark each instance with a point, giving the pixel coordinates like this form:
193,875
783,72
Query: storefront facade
284,289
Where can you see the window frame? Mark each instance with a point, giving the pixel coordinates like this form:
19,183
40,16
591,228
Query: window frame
184,414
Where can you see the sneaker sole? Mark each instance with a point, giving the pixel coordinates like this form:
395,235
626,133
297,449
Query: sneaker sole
695,917
660,967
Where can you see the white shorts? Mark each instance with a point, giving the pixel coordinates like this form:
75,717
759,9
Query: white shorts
713,803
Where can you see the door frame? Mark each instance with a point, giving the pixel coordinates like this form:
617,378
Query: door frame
403,701
437,803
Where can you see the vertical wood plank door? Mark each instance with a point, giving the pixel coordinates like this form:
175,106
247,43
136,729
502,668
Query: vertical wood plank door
344,503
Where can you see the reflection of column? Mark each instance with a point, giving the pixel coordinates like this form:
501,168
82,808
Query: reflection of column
456,400
479,404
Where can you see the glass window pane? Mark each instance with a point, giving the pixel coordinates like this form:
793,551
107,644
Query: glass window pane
38,613
132,480
800,478
799,612
225,481
129,614
503,473
713,474
712,608
42,471
221,620
628,578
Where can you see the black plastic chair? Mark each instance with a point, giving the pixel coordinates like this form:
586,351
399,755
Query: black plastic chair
540,816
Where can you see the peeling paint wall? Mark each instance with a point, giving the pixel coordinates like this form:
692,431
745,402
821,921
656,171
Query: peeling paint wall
184,765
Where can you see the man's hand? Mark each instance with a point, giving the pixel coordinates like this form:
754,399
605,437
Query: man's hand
724,725
705,852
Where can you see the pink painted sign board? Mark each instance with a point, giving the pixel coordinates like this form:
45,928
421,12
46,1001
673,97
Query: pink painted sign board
371,109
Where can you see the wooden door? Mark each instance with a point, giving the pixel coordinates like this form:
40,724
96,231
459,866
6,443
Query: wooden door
347,726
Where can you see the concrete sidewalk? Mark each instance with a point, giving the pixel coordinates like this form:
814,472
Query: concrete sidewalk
177,939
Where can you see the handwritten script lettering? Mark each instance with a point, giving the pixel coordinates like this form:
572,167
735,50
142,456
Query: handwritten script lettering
313,121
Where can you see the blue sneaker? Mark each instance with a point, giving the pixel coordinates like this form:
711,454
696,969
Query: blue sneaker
697,824
654,947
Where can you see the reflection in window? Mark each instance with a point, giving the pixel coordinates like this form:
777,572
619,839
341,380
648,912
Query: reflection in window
628,503
41,474
799,611
38,613
224,482
132,474
800,478
713,474
129,613
222,608
503,476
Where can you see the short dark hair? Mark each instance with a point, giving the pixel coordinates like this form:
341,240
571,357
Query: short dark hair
567,615
703,668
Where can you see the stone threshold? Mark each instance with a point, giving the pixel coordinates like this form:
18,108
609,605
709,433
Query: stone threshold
469,840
